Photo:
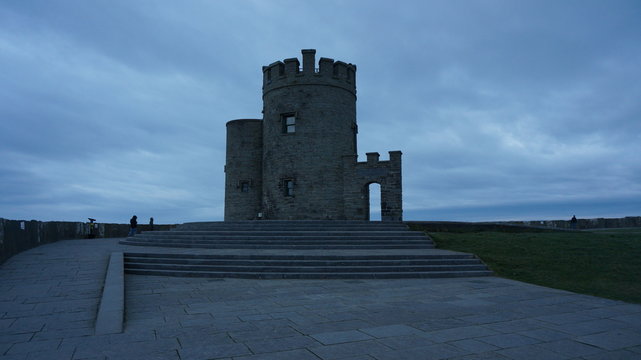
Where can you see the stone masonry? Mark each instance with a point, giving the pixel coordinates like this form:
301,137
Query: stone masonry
300,161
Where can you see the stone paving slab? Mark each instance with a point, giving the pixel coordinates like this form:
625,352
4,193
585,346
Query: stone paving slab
49,299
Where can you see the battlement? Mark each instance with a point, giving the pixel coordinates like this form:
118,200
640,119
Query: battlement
373,166
289,72
373,159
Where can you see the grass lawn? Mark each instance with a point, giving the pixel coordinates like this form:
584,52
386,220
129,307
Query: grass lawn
605,264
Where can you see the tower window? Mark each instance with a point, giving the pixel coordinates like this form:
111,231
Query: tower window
244,186
289,123
288,185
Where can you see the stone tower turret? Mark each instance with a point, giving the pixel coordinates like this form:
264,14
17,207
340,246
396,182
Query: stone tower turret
243,169
309,123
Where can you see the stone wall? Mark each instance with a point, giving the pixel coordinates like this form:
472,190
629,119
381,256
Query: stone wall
358,177
525,226
598,223
20,235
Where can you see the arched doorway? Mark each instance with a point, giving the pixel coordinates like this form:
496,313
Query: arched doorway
374,196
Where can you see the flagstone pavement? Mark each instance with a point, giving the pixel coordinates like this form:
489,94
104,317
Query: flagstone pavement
49,298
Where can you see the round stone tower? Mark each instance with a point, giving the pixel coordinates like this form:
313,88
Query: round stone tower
309,125
243,169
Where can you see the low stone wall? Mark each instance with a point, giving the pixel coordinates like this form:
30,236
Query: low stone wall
598,223
20,235
522,226
463,227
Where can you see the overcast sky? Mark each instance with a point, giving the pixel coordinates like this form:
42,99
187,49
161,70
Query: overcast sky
503,109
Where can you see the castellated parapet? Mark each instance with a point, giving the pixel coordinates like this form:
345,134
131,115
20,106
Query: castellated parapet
329,73
300,160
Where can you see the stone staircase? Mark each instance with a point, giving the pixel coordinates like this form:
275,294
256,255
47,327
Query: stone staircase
304,235
296,250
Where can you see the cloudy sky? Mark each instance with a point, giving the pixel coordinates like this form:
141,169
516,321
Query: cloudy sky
503,109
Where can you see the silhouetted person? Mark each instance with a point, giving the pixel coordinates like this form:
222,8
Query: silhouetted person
133,223
92,232
151,224
573,222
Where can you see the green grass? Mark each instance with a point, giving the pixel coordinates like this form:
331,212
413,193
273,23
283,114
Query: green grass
605,264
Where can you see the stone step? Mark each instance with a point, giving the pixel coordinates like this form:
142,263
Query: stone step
290,228
302,263
298,257
303,266
292,246
295,267
309,275
293,222
280,235
231,238
297,250
283,240
304,233
319,225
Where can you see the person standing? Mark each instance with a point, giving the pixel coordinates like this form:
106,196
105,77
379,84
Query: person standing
573,222
133,223
151,224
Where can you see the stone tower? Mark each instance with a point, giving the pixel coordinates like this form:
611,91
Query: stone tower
300,160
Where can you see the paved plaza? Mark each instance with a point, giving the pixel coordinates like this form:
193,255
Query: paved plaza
50,295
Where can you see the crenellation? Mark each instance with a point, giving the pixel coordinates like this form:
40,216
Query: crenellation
326,66
309,61
273,71
372,157
340,70
395,158
292,66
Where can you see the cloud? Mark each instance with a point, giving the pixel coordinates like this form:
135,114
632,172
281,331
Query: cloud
113,107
